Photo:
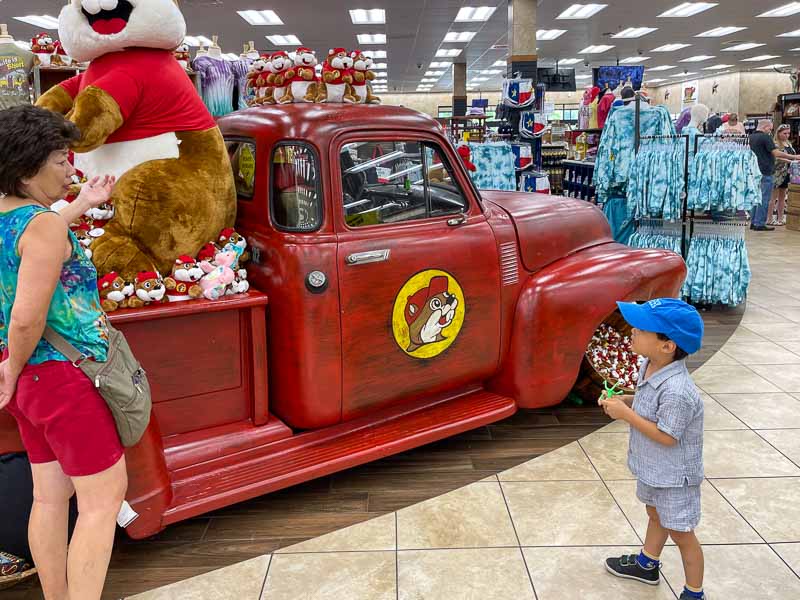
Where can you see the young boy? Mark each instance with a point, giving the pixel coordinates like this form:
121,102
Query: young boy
666,439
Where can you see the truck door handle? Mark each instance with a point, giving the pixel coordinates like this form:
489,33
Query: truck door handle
373,256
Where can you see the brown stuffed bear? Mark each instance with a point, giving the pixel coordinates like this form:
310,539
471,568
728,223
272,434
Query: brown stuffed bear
337,78
148,288
142,120
182,282
363,75
114,291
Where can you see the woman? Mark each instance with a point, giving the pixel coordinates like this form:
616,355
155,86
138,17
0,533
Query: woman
781,178
65,425
733,127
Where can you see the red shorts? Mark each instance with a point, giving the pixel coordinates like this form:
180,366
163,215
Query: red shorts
62,417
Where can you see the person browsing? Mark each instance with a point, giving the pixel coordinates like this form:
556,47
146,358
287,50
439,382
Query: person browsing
763,145
666,439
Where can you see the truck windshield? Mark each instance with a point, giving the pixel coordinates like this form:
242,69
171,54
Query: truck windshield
296,198
392,182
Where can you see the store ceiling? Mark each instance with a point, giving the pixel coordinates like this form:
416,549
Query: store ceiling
415,30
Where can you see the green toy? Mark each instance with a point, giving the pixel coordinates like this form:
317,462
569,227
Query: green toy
610,392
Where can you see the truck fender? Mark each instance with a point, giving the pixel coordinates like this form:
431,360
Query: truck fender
560,307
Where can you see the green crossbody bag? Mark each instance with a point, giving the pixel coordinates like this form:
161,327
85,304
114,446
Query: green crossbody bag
121,381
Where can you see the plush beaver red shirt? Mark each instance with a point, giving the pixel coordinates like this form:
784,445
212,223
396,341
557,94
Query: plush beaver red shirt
157,112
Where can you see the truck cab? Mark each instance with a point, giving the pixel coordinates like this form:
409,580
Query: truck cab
392,304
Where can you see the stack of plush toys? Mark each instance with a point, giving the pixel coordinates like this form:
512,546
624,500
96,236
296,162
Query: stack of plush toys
611,355
279,78
49,52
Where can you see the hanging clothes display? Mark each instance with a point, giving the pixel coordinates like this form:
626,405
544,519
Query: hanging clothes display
616,152
604,108
494,164
657,178
244,94
655,233
622,224
217,80
518,93
718,265
724,176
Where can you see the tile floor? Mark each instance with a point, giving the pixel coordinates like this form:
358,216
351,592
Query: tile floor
541,530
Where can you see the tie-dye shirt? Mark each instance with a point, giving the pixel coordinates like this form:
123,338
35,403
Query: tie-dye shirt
75,310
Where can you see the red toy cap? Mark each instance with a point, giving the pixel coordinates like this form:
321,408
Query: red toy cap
145,275
304,50
336,51
279,54
184,259
438,285
226,233
207,252
106,280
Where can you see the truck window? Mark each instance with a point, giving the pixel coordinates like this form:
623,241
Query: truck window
296,198
243,161
392,182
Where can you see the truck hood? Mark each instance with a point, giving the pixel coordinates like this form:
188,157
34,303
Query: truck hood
551,227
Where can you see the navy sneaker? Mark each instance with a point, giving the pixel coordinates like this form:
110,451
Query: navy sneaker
627,567
685,596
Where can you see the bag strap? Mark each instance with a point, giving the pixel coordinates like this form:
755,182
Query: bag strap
75,356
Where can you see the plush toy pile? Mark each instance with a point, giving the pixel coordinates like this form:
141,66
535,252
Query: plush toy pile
48,52
611,355
281,78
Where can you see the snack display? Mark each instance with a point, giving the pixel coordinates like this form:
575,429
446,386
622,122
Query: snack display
611,356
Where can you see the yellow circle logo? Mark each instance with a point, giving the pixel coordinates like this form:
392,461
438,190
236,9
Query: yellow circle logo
428,314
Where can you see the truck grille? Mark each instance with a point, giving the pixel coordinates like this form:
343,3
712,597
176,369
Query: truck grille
509,268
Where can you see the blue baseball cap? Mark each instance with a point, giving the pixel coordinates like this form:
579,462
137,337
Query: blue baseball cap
673,318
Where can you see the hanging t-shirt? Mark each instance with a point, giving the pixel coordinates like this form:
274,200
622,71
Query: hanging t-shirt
240,70
15,69
593,122
217,81
604,107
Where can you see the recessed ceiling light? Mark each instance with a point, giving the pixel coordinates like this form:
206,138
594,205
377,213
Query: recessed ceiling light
720,31
671,47
434,73
448,52
566,61
663,68
459,36
429,80
260,17
634,32
581,11
761,57
595,49
688,9
479,79
546,35
372,16
717,67
376,53
442,64
795,33
491,71
43,21
684,74
783,11
698,58
499,63
742,47
380,66
632,60
656,80
475,14
196,41
775,66
371,38
284,40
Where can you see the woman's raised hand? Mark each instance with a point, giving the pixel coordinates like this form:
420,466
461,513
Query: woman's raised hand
96,191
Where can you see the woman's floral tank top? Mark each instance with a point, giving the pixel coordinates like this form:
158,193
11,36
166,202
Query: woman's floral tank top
75,310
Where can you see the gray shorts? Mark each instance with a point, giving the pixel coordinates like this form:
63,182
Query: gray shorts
678,507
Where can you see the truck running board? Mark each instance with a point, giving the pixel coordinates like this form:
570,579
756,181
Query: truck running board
314,454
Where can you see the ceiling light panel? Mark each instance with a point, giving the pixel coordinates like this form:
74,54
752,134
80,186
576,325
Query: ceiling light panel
634,32
448,52
459,37
688,9
371,16
195,41
444,64
376,53
479,79
720,31
698,58
380,66
581,11
501,63
475,14
657,80
284,40
563,61
595,49
371,38
761,58
742,47
671,47
491,71
546,35
717,67
260,17
783,11
775,66
663,68
428,80
434,73
43,21
632,60
795,33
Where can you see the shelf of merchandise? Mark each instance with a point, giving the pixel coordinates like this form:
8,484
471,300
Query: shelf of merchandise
553,157
578,180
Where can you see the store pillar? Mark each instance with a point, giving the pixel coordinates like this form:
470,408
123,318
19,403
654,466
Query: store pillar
459,89
522,55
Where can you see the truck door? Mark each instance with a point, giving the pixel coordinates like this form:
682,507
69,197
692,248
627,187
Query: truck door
418,272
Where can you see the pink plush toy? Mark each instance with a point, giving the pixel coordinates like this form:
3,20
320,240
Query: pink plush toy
219,274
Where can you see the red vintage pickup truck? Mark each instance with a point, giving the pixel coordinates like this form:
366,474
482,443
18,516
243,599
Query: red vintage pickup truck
392,304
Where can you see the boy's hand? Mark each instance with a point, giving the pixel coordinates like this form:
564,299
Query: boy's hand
616,408
626,398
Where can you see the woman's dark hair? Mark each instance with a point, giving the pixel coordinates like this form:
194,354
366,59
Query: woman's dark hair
680,353
28,136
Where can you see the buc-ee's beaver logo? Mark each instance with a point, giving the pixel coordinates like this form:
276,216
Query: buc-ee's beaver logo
428,314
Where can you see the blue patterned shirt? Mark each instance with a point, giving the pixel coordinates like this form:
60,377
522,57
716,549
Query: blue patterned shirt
670,399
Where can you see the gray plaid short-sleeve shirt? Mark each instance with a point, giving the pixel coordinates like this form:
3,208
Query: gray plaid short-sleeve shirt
672,401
